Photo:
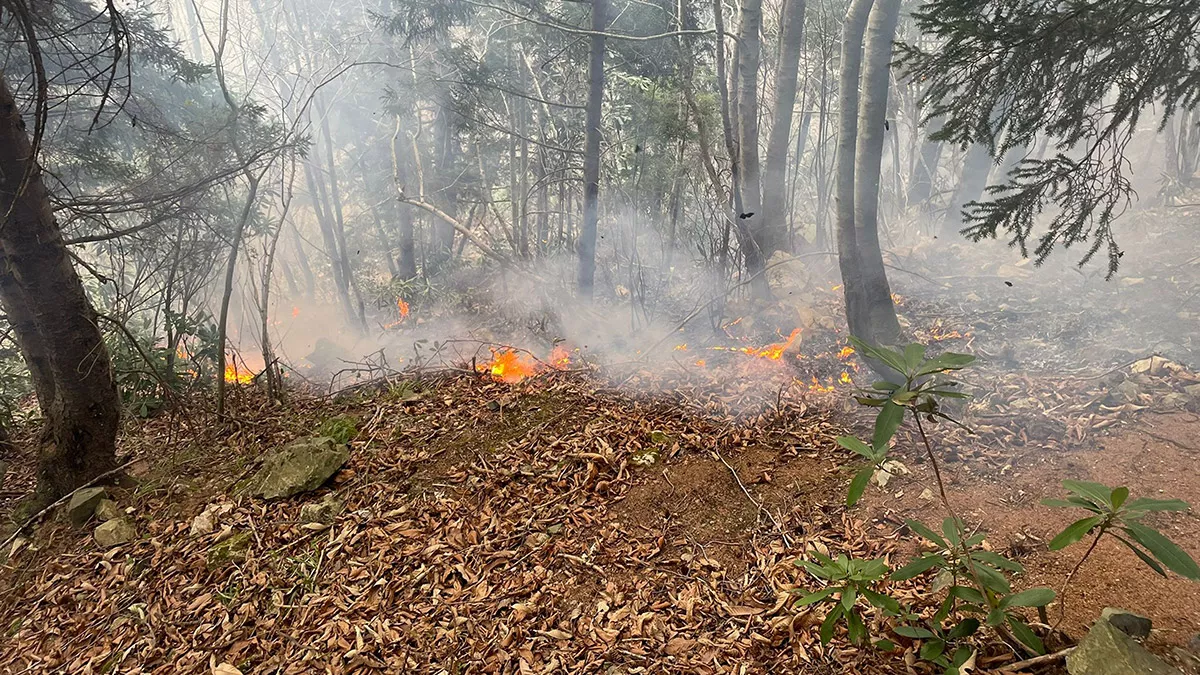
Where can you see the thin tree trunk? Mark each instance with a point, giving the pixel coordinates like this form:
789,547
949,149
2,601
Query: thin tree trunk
591,158
357,311
882,326
774,184
853,28
976,167
728,129
752,221
407,262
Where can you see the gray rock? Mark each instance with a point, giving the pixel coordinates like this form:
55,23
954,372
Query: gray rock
231,550
301,466
1193,390
323,512
1130,391
114,533
83,504
107,510
1133,625
1107,651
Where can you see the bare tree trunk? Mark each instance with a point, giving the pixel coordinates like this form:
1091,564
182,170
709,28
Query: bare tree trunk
591,159
882,326
53,322
751,221
774,185
728,127
407,262
921,187
976,167
853,27
357,311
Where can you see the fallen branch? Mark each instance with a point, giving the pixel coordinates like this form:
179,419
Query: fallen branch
1042,660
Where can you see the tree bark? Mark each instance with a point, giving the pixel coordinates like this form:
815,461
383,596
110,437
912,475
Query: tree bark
591,159
976,167
853,27
53,322
882,327
751,221
774,184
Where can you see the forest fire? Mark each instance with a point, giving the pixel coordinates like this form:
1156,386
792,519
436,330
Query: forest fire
512,366
238,375
772,352
402,308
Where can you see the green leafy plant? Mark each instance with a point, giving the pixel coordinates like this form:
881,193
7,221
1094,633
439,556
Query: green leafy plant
850,580
1113,514
341,428
976,580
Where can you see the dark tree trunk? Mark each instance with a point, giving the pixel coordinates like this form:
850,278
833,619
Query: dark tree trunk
591,159
774,184
976,167
53,323
407,259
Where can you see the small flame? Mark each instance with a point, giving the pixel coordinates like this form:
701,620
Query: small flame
402,307
295,312
236,375
560,357
845,378
898,299
510,366
846,353
681,348
773,351
939,336
700,362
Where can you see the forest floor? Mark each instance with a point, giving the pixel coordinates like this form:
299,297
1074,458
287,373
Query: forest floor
623,520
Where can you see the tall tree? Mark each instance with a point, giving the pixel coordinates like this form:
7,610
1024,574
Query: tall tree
53,322
586,245
774,183
861,127
752,220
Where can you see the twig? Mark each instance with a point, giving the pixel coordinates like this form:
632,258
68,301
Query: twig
37,516
1042,660
787,541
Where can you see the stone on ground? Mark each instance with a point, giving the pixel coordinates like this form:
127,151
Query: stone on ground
114,533
1133,625
231,550
83,504
107,510
1107,651
299,467
322,512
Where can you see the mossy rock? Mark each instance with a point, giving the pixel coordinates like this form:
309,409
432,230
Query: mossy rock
232,550
83,504
299,467
1107,651
114,533
107,509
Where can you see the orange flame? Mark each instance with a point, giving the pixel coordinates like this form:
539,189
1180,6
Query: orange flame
846,353
773,351
700,362
295,312
845,378
681,348
402,306
560,357
236,375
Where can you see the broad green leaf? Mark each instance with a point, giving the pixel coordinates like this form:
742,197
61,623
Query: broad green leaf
1097,493
885,645
917,567
855,627
1148,504
1026,635
946,361
965,628
920,528
960,657
914,355
914,632
1058,503
992,580
952,529
884,385
815,597
886,423
968,594
827,625
995,617
849,597
1074,532
893,359
882,601
854,445
1033,597
932,649
816,570
871,402
996,560
1150,562
1118,497
947,393
1167,552
859,485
